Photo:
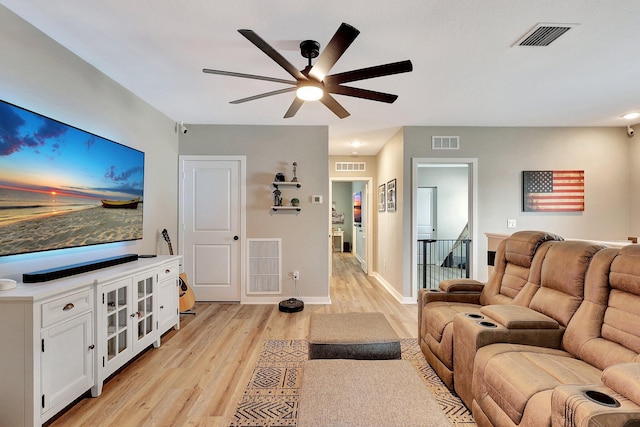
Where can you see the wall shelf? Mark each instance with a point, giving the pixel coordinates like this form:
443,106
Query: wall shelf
277,184
286,208
285,184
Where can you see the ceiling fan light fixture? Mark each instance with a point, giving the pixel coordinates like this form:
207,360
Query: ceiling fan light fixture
309,92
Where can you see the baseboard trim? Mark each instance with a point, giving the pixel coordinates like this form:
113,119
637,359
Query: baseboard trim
394,292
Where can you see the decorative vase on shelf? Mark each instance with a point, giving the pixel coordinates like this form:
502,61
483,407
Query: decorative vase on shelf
295,202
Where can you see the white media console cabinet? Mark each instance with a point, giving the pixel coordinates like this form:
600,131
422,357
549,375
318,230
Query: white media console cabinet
60,338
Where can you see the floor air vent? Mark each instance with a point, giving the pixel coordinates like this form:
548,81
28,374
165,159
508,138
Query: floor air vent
264,267
445,142
351,166
544,34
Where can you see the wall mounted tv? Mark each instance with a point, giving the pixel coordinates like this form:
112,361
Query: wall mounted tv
62,187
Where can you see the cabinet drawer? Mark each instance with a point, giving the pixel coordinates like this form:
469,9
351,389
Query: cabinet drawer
168,271
66,307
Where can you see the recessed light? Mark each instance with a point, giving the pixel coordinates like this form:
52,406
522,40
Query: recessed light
356,144
631,116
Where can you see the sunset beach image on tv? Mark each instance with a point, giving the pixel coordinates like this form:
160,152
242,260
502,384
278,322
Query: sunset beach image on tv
62,187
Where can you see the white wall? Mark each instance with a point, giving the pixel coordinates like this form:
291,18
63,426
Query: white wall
452,195
42,76
270,149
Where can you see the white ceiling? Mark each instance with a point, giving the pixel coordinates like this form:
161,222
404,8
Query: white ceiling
466,72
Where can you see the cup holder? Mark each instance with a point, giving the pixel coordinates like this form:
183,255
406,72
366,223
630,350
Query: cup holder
487,324
474,315
601,398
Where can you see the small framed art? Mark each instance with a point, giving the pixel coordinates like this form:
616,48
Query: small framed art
382,193
391,195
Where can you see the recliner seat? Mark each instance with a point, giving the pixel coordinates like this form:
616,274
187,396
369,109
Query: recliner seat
514,281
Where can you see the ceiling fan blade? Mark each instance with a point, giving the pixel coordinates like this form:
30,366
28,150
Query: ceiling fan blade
370,72
362,93
293,109
263,95
331,103
272,53
248,76
338,44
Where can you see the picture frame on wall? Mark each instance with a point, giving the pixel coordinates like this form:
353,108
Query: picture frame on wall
382,199
553,191
391,196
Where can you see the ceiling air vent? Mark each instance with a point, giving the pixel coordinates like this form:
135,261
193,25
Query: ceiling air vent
351,166
544,34
445,142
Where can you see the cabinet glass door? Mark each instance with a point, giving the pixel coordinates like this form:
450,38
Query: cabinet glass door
145,307
117,302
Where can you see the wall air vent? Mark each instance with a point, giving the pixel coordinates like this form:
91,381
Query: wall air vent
445,142
264,266
351,166
543,34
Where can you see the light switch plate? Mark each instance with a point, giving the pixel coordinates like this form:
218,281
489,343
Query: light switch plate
511,223
316,199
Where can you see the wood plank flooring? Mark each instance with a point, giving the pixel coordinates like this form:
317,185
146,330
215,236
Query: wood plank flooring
199,373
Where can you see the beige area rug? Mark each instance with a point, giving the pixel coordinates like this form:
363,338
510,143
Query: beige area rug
271,397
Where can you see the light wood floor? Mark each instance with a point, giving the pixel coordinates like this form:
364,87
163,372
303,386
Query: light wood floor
199,373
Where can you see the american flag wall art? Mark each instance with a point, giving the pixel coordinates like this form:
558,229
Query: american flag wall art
553,191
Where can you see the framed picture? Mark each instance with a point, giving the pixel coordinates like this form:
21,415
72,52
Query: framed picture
553,191
391,195
382,193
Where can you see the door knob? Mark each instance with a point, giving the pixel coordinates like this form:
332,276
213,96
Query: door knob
235,237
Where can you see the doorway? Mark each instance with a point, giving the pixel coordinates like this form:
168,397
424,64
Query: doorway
453,201
341,219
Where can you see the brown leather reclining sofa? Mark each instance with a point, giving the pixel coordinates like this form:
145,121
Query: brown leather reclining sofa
568,357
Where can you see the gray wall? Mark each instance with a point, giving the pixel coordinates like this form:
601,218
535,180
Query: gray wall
605,154
271,149
42,76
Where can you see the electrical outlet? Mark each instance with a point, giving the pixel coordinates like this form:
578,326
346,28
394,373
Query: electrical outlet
296,275
511,223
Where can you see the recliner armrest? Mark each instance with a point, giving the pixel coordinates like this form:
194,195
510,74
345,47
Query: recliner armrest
461,285
519,317
582,405
624,379
426,296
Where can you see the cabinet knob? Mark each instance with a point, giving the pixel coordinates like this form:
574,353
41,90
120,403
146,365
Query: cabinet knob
162,307
167,271
92,346
68,307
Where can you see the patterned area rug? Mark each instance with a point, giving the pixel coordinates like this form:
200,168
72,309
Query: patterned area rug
271,397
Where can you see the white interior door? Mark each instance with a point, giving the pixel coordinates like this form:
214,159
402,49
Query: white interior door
426,209
211,200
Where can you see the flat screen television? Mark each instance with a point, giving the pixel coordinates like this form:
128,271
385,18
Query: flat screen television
357,208
62,187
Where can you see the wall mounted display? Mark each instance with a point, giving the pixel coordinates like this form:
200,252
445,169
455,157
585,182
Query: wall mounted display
391,195
357,208
382,192
553,191
63,187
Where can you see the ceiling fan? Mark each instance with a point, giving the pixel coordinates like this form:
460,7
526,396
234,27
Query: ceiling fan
313,82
